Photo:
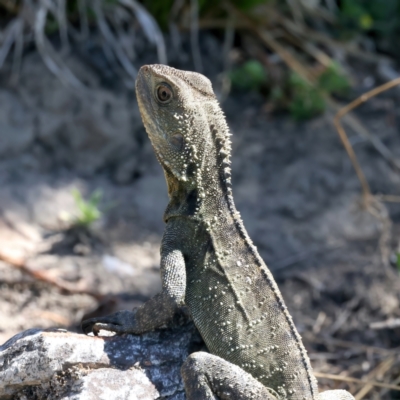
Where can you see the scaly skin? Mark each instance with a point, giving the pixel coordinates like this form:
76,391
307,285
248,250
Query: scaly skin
208,261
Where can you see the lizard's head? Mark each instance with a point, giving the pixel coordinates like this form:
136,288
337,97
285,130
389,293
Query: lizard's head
185,124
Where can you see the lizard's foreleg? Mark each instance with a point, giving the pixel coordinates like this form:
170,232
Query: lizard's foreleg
155,312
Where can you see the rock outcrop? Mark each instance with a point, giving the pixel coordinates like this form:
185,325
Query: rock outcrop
56,364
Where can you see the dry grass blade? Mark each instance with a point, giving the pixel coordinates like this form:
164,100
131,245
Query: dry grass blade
358,127
285,54
266,37
149,26
49,56
120,20
18,51
308,35
385,390
296,10
217,23
387,198
379,211
355,380
45,277
370,383
13,30
383,150
225,82
173,27
353,158
351,345
311,50
35,15
228,42
390,323
345,140
113,43
82,7
194,35
62,22
322,14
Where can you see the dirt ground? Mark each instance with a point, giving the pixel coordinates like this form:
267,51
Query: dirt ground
293,184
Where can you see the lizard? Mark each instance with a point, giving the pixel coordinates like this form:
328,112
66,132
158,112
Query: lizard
208,261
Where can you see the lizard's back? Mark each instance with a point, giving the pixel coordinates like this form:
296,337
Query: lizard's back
239,311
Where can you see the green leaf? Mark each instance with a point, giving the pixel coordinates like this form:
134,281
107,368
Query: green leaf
88,211
366,21
249,76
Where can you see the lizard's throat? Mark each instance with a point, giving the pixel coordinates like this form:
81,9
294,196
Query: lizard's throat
204,194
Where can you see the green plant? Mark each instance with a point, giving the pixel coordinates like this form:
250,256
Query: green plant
333,81
398,261
88,210
249,76
306,101
381,17
355,16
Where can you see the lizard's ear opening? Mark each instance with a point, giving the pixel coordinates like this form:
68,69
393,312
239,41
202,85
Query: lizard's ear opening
177,141
199,82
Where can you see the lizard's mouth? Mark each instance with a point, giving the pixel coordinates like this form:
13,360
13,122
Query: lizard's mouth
143,95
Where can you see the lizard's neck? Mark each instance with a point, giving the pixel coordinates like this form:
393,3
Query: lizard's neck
206,192
207,199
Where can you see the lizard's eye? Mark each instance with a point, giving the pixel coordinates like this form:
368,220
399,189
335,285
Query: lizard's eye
164,94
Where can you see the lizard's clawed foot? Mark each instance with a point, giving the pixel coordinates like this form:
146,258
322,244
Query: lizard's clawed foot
119,322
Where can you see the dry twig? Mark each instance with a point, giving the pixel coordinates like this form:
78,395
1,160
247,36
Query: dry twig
390,323
372,203
370,382
352,345
45,277
344,138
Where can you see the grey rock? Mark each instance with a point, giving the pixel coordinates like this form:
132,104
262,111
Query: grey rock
56,364
106,383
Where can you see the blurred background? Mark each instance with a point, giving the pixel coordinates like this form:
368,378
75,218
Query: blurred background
82,195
